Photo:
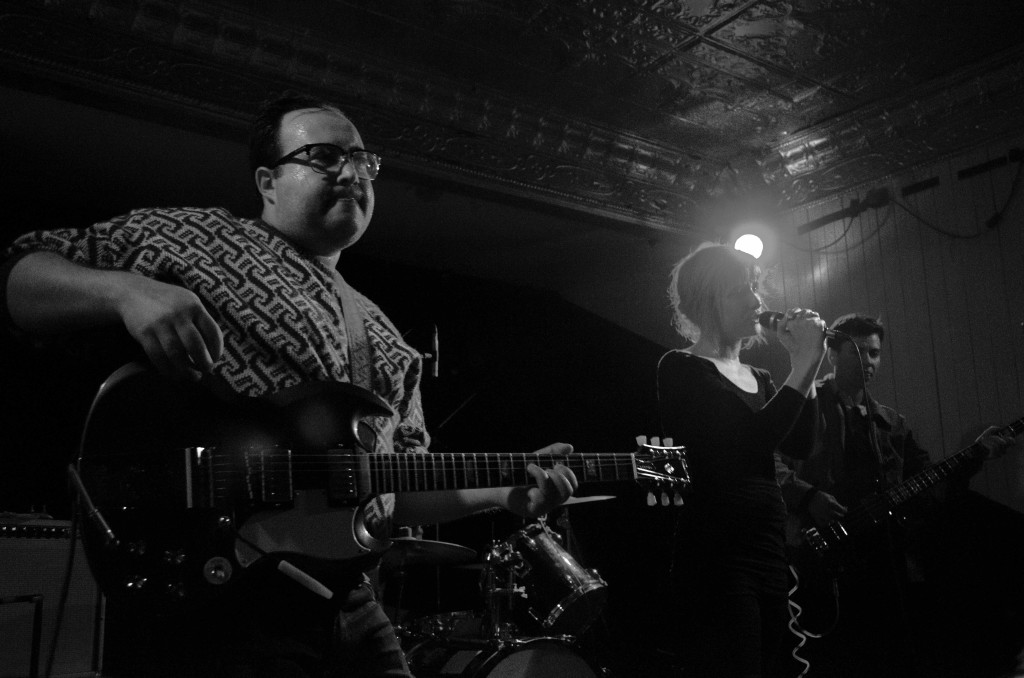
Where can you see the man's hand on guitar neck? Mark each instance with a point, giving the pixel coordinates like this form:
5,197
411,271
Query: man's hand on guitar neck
994,443
554,486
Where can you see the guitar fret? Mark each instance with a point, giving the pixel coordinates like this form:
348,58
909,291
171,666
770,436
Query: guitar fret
426,471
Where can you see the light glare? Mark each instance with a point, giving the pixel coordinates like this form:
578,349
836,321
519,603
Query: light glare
750,244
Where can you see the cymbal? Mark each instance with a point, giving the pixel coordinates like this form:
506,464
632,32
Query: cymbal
584,500
407,551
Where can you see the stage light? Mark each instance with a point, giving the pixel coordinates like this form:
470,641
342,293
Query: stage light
749,243
756,237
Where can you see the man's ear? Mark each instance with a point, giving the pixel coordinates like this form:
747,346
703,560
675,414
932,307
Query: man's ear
266,183
831,353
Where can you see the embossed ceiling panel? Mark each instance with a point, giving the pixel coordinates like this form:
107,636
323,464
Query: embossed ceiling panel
638,110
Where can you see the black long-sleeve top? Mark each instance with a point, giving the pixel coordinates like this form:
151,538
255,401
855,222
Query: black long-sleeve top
736,514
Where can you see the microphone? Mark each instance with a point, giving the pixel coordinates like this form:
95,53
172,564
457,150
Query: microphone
770,320
436,347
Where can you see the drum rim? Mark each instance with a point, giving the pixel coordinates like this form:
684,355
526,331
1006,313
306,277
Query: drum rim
564,604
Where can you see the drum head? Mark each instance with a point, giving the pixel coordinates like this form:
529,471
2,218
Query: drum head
538,658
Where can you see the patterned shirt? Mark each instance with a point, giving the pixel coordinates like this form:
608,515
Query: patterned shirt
280,312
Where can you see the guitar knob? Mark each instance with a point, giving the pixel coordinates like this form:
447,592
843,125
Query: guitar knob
176,557
136,583
175,590
217,570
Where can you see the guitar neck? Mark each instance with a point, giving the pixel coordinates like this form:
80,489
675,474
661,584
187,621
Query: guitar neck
942,470
424,472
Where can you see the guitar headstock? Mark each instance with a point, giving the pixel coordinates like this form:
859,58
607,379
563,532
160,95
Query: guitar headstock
661,466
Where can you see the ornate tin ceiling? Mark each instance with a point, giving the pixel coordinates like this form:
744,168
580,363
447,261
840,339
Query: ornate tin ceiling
639,110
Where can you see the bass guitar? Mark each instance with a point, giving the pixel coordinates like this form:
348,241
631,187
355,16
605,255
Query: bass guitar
186,486
833,543
819,556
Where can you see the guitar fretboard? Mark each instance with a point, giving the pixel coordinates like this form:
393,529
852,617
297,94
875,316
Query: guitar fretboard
443,471
942,470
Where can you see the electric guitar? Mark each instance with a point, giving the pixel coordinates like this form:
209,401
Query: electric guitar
819,556
185,487
833,543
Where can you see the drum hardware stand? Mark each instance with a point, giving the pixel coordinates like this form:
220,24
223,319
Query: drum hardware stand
501,599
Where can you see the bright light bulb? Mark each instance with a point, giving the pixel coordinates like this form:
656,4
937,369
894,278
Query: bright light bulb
750,244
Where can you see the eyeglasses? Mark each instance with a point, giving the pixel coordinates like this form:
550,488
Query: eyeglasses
330,159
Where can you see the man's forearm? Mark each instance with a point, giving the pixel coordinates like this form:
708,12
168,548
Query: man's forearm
48,294
442,506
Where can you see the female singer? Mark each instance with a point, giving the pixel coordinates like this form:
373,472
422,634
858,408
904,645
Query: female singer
729,573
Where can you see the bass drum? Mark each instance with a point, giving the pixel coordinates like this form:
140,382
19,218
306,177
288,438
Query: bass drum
535,658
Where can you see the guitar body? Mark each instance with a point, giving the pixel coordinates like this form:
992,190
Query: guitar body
190,488
820,560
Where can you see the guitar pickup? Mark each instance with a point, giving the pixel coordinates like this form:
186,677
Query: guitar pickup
342,488
269,477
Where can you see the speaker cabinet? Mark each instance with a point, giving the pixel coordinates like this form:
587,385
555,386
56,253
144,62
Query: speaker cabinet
33,566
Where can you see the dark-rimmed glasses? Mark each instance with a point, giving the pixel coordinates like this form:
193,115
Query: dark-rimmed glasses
330,159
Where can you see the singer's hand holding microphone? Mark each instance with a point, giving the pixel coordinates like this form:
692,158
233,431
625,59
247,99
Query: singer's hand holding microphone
801,332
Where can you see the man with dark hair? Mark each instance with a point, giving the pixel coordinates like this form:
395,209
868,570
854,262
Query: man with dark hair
258,304
844,469
864,448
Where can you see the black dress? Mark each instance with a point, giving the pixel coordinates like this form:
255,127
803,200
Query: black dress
729,571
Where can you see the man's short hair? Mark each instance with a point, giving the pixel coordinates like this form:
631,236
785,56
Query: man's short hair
263,135
855,325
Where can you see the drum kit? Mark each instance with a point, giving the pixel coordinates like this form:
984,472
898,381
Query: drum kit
535,603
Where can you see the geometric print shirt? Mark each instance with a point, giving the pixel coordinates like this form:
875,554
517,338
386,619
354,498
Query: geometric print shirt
279,311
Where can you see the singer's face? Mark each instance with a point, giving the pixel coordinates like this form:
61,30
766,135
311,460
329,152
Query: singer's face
849,367
739,312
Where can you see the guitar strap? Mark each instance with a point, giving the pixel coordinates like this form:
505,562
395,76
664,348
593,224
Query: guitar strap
360,360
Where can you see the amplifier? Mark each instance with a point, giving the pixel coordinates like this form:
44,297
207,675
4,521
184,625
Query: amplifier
33,566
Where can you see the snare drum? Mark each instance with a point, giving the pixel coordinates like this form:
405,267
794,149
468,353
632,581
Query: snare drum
459,624
534,658
561,596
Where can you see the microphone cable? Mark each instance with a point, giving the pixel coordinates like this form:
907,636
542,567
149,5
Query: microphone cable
802,634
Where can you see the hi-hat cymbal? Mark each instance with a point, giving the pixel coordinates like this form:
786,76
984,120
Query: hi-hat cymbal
584,500
406,551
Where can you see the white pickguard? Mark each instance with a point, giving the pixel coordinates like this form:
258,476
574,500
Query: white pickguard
312,527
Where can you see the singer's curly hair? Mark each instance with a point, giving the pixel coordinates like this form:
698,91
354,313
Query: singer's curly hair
701,280
855,325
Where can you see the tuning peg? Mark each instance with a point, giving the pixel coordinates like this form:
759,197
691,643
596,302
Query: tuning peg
668,442
651,499
656,441
641,441
677,499
664,498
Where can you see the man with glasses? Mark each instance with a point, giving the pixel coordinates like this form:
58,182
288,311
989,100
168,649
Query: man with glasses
258,303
